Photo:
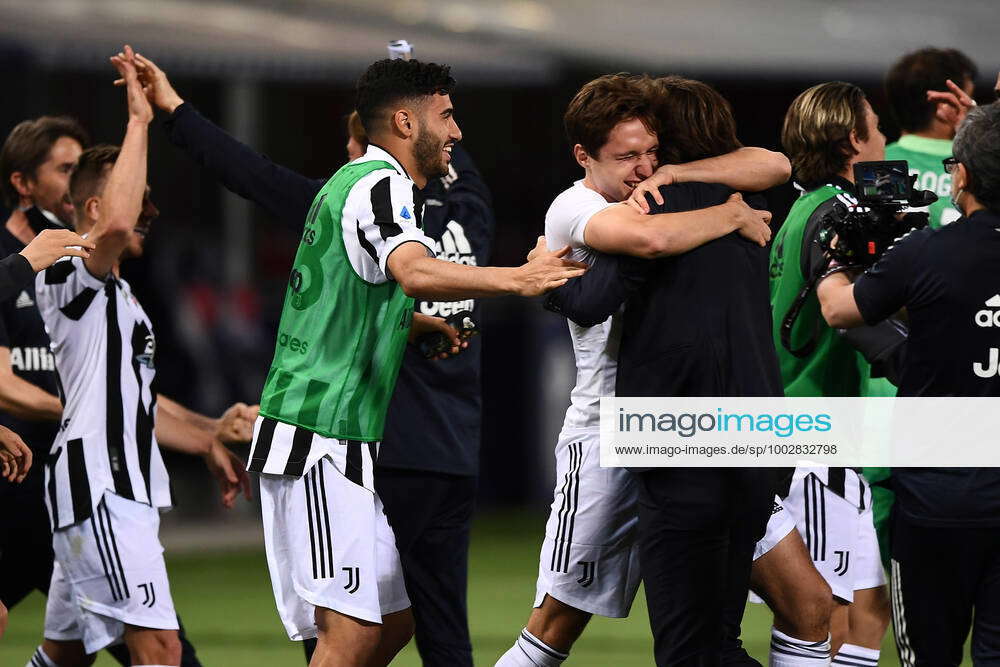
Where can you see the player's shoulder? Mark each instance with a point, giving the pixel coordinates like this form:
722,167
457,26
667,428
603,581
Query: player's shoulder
574,195
571,202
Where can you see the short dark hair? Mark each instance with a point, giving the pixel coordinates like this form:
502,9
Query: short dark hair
90,173
605,102
28,145
908,81
388,82
355,129
816,134
977,146
696,121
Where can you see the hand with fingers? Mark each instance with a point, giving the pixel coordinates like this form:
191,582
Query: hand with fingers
139,109
51,244
952,105
155,85
428,324
15,456
546,270
662,176
230,472
235,426
751,224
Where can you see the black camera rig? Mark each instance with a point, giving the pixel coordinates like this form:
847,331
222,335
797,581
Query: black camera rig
855,236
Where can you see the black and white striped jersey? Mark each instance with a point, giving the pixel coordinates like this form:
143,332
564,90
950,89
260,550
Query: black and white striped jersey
104,348
847,483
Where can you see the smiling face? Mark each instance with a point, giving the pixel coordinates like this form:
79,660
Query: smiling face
137,239
49,188
436,133
626,159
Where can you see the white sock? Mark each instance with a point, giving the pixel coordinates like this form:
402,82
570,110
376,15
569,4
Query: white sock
856,656
530,651
39,659
791,652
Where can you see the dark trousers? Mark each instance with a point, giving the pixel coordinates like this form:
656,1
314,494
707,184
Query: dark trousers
697,530
26,549
431,515
945,580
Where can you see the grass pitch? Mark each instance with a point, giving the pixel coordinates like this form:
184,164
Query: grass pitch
226,604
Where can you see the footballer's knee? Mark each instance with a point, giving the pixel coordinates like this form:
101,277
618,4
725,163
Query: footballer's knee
869,617
807,613
397,630
557,624
153,647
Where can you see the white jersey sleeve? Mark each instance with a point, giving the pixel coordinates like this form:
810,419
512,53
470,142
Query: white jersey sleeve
383,211
64,293
569,214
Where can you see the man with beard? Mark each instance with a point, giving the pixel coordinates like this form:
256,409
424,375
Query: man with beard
334,564
429,457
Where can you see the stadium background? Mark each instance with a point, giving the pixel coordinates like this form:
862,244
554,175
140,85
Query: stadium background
279,75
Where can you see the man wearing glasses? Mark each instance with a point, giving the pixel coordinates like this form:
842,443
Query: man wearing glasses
946,522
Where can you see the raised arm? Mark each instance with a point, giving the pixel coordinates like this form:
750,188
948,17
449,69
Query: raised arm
621,230
126,185
284,194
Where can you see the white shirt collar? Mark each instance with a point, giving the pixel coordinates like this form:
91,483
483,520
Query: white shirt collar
377,153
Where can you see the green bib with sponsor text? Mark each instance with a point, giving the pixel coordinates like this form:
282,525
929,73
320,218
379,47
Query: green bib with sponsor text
341,339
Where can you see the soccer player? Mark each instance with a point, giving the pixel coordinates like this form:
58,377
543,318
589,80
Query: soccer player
828,129
334,565
589,557
431,440
28,382
106,482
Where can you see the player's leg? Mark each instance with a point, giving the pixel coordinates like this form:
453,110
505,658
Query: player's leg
589,559
866,620
149,646
869,615
189,657
54,653
344,640
785,578
432,536
329,547
933,584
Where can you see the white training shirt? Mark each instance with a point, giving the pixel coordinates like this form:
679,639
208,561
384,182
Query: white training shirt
596,347
104,348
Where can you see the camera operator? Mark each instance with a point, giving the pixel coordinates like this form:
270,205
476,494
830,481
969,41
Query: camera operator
827,130
945,555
